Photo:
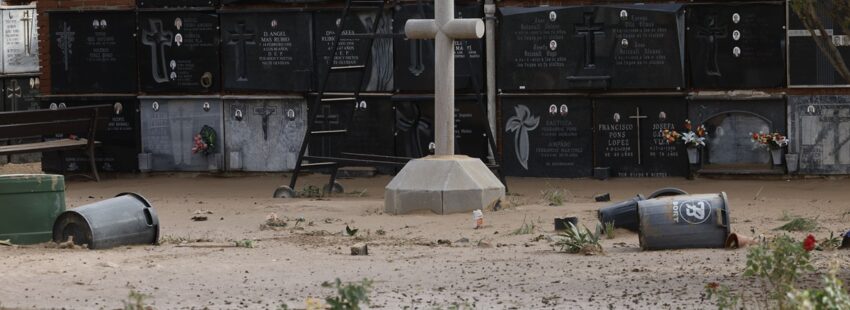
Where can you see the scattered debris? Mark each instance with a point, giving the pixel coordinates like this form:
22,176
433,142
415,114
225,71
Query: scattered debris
564,223
7,242
380,232
484,244
199,211
462,240
350,231
444,242
360,249
199,218
602,197
737,241
273,222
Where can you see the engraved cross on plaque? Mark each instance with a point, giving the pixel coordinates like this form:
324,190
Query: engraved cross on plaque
444,29
157,40
241,37
710,32
589,30
265,111
637,117
65,38
27,20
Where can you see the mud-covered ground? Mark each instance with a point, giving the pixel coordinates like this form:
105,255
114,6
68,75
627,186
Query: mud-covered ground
489,268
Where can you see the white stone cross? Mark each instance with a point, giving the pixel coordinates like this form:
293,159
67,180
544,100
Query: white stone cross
444,28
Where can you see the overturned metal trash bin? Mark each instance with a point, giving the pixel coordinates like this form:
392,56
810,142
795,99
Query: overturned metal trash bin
682,222
126,219
623,214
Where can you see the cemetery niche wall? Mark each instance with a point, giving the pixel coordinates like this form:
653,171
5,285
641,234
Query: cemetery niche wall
591,47
737,46
628,136
354,51
267,51
120,139
369,123
414,59
169,126
819,129
547,136
179,52
20,93
730,124
414,126
808,65
177,3
93,52
20,39
263,133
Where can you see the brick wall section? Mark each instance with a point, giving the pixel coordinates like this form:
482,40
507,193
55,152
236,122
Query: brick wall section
43,23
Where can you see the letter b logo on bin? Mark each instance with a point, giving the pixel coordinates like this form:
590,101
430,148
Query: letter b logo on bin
694,211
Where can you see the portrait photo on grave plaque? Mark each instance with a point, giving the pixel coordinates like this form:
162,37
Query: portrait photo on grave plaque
628,136
414,126
730,125
93,52
264,134
354,51
414,59
20,39
179,52
177,3
170,125
592,47
267,51
547,136
819,130
120,140
370,127
808,65
736,46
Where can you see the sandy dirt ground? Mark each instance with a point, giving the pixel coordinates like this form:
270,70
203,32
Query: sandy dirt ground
489,268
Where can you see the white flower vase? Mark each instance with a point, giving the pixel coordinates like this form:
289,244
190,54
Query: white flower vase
693,155
776,155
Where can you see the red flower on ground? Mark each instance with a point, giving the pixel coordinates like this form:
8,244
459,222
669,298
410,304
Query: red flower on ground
809,243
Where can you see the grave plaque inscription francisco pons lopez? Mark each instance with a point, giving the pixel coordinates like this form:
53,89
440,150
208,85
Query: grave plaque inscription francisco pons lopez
547,136
178,52
267,51
592,47
629,140
93,52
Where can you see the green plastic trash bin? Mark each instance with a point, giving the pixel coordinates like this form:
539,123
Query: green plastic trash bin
29,204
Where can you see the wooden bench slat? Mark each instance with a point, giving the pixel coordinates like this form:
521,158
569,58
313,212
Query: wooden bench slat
55,145
22,117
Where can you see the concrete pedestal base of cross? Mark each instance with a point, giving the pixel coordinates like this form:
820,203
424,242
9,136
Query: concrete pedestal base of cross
445,183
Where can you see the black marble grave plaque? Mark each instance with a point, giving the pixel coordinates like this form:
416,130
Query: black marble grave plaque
414,59
177,3
21,93
736,45
370,128
549,136
807,64
414,126
269,1
352,51
819,129
179,52
120,139
729,124
267,51
629,140
93,52
592,47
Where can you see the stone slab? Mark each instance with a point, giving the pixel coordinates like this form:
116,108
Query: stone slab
266,132
414,126
547,136
169,125
19,40
819,129
353,51
443,185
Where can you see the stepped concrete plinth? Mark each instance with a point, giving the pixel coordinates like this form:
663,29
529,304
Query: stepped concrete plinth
444,185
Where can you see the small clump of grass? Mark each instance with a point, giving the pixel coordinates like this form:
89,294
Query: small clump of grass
526,228
800,224
311,191
555,197
609,230
245,243
273,221
579,241
136,301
